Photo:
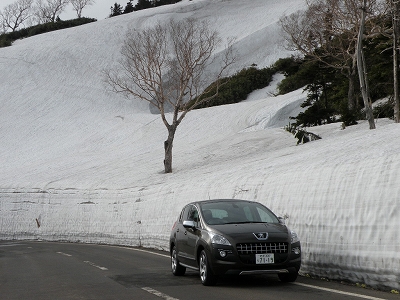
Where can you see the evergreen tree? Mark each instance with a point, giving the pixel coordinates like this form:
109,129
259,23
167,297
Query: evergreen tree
128,8
165,2
162,2
143,4
116,10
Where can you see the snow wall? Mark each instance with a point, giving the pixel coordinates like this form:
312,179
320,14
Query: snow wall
340,195
345,209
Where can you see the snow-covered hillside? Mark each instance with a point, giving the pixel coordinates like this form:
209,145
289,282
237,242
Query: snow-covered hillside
79,163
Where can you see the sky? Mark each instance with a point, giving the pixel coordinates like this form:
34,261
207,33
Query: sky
88,163
99,10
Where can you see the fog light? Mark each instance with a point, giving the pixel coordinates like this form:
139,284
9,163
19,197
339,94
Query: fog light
222,253
296,250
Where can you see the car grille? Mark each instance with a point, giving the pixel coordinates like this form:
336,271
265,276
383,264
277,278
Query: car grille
259,248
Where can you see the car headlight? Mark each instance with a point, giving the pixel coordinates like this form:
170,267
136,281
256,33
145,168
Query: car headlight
294,237
219,239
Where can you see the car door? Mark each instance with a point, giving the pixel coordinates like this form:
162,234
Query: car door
189,236
181,236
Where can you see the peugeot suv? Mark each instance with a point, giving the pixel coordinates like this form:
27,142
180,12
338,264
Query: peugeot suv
218,237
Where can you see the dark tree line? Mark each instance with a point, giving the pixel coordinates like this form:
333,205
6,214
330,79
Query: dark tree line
117,9
336,36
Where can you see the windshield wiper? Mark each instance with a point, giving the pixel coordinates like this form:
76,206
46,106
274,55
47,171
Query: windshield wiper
246,222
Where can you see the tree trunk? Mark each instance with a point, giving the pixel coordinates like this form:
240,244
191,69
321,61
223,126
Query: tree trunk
168,149
351,95
362,72
396,15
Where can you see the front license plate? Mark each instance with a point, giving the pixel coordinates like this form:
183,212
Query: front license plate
262,259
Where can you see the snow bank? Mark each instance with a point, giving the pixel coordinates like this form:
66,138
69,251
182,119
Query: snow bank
80,164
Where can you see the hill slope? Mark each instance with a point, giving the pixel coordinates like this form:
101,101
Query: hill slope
54,101
87,164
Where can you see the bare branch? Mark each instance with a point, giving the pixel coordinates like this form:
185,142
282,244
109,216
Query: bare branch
167,65
327,32
79,5
15,14
48,10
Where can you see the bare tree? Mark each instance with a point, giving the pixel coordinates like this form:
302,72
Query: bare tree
327,31
15,14
48,10
395,8
362,70
392,9
168,65
79,5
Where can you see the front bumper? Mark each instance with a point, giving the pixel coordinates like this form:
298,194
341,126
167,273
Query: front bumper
233,263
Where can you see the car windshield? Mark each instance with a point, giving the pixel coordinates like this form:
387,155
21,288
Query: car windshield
236,212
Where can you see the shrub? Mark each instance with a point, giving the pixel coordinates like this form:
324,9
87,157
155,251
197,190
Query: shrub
288,66
237,87
384,110
4,42
302,135
298,72
6,39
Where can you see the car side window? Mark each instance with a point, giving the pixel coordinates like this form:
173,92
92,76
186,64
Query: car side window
264,216
193,215
183,215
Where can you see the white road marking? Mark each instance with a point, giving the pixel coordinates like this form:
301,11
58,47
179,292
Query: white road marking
337,291
87,262
96,266
296,283
11,245
65,254
146,251
158,294
159,254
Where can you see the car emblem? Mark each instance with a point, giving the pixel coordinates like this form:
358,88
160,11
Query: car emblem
261,235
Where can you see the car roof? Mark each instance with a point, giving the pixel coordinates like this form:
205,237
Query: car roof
220,200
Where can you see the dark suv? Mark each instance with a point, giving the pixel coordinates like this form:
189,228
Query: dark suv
218,237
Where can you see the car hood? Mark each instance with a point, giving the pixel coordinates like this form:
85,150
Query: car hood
245,232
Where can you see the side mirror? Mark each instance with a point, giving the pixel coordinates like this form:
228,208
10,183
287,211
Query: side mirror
282,220
189,224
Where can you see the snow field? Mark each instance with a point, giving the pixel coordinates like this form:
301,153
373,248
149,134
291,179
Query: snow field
81,164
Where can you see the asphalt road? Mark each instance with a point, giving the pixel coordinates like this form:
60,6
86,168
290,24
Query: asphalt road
42,270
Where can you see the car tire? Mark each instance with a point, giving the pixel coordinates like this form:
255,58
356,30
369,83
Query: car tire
176,268
206,275
288,277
